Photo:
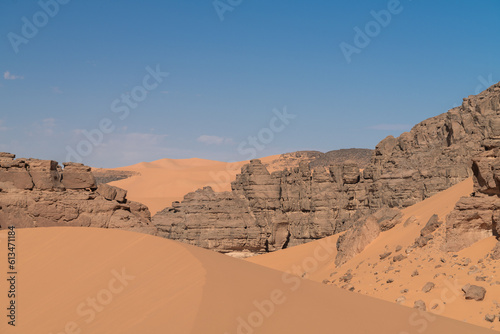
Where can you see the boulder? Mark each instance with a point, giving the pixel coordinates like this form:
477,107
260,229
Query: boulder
77,176
45,174
428,287
112,193
474,292
356,239
432,225
420,305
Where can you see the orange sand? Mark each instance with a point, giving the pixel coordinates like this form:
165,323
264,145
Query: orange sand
164,181
67,273
371,273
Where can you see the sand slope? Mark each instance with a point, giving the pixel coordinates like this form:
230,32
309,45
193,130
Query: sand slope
164,181
85,280
371,275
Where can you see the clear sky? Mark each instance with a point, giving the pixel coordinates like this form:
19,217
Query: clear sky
293,75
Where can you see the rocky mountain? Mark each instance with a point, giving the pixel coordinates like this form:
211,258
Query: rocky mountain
102,175
269,211
316,159
361,156
39,193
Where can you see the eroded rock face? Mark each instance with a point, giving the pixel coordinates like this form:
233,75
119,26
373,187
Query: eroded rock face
297,205
477,217
38,193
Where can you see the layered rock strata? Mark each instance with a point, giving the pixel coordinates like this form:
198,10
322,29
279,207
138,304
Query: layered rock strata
39,193
265,211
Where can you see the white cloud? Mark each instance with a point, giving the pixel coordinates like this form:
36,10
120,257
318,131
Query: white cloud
391,127
9,76
2,126
214,140
48,125
56,90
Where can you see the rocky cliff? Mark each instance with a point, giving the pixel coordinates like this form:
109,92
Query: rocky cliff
39,193
268,211
478,217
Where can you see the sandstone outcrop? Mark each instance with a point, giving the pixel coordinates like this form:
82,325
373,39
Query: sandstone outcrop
477,217
39,193
268,211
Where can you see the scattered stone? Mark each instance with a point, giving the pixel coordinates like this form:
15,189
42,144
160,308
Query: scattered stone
428,287
474,292
346,278
423,241
385,255
495,252
432,225
399,257
401,299
420,305
490,317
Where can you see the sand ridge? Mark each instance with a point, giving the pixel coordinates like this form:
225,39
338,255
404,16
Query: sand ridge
161,182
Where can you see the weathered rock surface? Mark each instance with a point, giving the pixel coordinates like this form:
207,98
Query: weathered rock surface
474,292
300,204
428,287
355,240
420,305
77,176
495,253
477,217
38,193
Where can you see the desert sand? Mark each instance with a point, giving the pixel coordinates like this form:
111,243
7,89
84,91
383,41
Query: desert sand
161,182
372,276
86,280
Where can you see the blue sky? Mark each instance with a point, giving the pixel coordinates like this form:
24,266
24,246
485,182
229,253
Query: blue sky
229,79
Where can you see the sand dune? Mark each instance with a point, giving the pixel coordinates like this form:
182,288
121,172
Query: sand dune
85,280
371,275
164,181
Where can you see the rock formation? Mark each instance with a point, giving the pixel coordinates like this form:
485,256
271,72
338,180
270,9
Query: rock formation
363,232
268,211
477,217
39,193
